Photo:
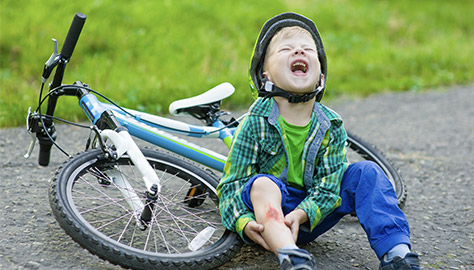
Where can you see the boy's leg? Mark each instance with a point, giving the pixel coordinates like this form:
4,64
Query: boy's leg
376,206
266,195
266,199
366,190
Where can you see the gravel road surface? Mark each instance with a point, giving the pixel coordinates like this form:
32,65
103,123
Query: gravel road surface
428,135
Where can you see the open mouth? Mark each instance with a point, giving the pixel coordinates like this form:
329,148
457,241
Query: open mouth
299,66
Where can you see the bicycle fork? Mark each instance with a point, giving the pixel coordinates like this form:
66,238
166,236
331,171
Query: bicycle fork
124,144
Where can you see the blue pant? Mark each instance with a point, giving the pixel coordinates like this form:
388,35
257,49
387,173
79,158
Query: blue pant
365,190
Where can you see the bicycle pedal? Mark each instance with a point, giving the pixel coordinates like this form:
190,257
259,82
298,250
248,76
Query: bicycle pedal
195,197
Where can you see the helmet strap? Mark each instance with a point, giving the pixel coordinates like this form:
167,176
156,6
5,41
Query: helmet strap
271,90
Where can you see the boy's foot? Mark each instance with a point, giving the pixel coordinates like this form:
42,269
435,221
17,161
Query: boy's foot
297,259
410,262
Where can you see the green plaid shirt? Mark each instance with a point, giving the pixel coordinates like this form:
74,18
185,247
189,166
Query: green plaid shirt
259,147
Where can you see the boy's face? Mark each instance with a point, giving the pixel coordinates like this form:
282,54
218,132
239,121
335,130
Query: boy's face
292,63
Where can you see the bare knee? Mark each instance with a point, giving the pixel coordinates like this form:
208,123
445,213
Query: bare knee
264,185
263,188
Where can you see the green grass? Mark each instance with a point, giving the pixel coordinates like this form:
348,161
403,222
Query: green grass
144,54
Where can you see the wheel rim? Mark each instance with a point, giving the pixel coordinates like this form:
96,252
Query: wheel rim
102,208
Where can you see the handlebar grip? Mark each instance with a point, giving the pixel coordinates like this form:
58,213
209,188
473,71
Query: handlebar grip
44,152
45,144
73,35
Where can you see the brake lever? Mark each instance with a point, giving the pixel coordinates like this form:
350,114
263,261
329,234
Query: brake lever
31,133
52,62
32,145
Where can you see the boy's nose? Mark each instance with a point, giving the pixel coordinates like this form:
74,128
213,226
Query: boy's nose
298,51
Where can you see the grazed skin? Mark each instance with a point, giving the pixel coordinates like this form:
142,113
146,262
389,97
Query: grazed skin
272,213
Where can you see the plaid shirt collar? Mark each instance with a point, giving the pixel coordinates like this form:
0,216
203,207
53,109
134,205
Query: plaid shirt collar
267,107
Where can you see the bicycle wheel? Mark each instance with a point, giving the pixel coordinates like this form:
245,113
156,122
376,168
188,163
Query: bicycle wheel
93,205
359,150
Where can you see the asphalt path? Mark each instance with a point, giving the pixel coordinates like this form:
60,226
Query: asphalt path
428,135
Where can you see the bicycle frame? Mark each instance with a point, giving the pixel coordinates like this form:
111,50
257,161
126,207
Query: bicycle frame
155,130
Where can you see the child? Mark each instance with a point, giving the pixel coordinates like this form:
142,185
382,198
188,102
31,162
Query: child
287,179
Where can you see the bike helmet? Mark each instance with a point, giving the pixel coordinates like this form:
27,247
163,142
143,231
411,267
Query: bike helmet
259,86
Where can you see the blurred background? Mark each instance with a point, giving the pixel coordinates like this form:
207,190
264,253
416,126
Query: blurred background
145,54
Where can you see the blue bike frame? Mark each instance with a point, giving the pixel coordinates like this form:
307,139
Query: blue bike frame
155,129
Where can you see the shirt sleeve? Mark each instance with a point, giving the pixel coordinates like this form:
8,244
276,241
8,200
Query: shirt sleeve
323,197
239,168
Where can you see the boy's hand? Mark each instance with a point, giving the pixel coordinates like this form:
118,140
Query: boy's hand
254,231
294,219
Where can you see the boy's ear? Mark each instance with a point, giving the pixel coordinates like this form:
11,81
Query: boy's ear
321,80
265,75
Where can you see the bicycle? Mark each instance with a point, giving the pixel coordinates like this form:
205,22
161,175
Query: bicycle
142,208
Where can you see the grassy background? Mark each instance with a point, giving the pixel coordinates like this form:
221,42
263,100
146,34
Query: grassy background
144,54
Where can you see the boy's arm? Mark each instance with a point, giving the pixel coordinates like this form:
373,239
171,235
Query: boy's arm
239,167
324,198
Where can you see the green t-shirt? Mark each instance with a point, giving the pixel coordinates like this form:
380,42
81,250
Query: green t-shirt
295,138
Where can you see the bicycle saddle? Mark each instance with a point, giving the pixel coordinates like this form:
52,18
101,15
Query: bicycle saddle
216,94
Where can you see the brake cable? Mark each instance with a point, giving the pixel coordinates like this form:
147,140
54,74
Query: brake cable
53,91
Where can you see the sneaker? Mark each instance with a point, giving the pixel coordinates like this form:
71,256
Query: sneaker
297,259
410,262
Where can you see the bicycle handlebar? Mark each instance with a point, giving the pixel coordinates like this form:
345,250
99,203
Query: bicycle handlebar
73,35
48,135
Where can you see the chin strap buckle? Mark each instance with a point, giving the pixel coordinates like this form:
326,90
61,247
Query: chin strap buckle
292,98
270,90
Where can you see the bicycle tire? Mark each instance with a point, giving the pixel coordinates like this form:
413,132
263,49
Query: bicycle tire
83,198
366,151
